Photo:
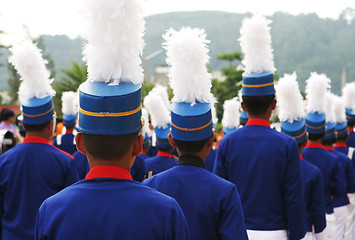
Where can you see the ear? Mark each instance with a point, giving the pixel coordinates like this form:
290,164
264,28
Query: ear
171,141
50,126
244,107
273,104
210,141
138,145
80,143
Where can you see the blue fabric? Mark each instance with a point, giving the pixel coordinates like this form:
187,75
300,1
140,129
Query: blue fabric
296,129
351,140
159,164
67,143
152,152
183,115
349,171
243,117
138,169
100,97
227,130
108,209
81,164
315,123
69,121
342,150
258,79
350,115
333,177
314,199
211,205
43,107
264,165
210,159
30,173
330,131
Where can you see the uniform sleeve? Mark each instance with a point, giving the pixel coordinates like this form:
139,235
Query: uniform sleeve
294,195
176,225
232,225
339,185
350,176
39,232
219,164
139,170
72,174
318,203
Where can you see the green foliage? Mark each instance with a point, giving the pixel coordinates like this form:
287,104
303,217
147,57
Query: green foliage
14,83
229,88
70,81
146,87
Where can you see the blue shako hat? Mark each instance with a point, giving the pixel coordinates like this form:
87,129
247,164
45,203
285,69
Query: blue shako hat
296,129
146,141
36,111
191,123
315,123
162,137
19,123
69,108
350,115
69,120
258,84
106,109
330,131
341,130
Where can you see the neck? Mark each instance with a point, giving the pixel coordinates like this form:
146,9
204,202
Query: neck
341,142
319,141
123,163
38,134
8,122
261,116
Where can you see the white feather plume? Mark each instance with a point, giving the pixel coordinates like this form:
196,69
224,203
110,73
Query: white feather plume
213,110
317,87
145,115
187,54
339,108
114,32
231,114
289,98
349,95
159,114
69,103
162,91
255,42
330,109
29,63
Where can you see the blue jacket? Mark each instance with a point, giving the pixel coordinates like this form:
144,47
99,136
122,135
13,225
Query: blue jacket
160,163
314,196
138,169
265,166
333,175
351,140
65,142
108,205
30,173
343,148
211,204
210,159
81,164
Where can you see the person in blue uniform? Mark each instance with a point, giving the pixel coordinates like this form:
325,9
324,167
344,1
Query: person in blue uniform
291,115
34,170
263,163
81,164
108,203
66,141
211,157
211,204
138,169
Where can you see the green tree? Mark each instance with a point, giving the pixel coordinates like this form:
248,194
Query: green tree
227,89
70,81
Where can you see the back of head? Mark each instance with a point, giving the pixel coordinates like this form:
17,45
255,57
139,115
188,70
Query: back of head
6,114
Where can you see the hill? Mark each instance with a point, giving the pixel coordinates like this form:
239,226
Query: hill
302,43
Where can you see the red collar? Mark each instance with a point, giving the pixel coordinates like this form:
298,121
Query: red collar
314,145
301,157
108,171
328,148
35,139
258,121
143,153
164,154
340,145
69,132
351,129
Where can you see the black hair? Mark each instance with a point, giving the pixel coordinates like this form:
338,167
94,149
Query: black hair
314,137
6,114
301,144
35,128
342,138
107,147
9,136
329,141
257,105
167,150
351,124
186,147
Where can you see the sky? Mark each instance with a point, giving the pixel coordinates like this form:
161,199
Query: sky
61,16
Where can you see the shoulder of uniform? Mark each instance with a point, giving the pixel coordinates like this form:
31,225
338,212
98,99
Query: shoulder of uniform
63,152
